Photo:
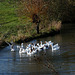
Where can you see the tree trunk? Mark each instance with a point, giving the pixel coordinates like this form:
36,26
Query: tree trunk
37,28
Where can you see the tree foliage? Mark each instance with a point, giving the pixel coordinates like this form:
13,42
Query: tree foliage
44,11
34,9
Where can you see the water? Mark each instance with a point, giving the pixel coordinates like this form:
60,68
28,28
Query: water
63,60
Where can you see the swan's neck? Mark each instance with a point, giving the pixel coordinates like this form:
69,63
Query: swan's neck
20,49
51,46
41,43
21,44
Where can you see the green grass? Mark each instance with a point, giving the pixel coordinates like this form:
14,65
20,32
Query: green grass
11,28
8,19
7,12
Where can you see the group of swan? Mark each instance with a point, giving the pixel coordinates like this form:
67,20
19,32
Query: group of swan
33,48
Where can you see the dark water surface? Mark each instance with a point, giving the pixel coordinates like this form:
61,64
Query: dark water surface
63,60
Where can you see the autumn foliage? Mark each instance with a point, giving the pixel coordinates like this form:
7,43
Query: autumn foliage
33,9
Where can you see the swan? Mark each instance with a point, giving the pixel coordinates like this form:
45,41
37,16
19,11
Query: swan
40,47
55,45
29,45
12,50
40,42
50,43
18,47
35,50
37,44
20,51
44,47
54,48
21,45
24,51
11,46
29,52
34,46
47,44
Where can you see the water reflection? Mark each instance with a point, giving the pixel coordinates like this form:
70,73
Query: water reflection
13,56
44,62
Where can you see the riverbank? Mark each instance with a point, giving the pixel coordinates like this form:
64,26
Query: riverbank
22,33
22,37
52,33
2,44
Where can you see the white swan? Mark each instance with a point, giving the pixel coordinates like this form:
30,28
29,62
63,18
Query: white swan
37,44
40,47
50,43
18,46
11,46
29,52
55,45
34,46
54,48
21,45
29,45
34,51
20,51
12,49
47,44
24,51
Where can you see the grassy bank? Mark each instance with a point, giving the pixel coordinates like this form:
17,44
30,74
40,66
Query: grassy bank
12,29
